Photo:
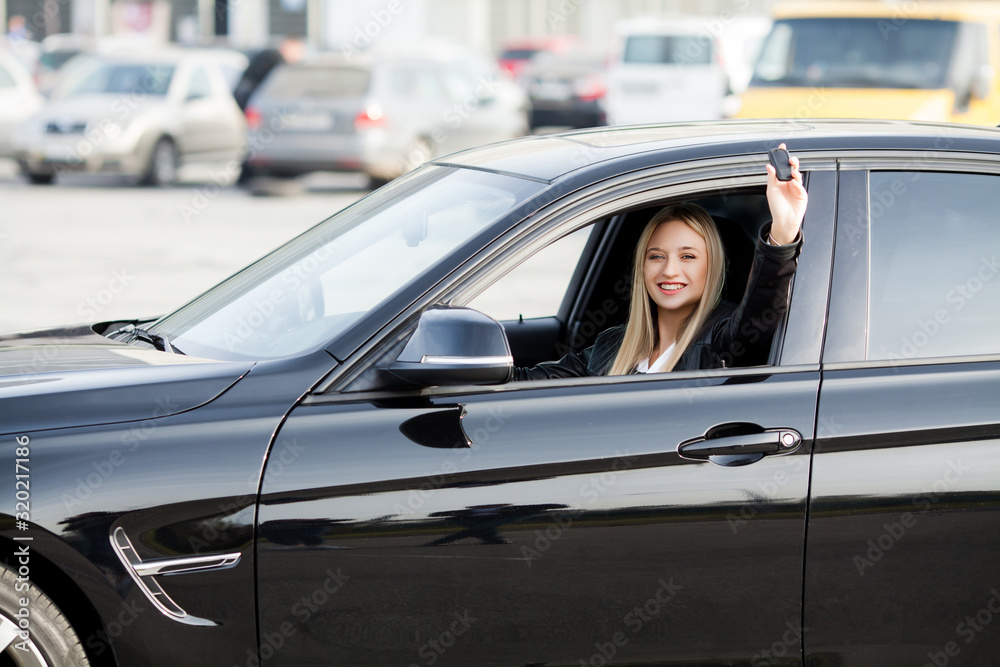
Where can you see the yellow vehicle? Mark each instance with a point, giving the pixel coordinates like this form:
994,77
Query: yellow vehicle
910,60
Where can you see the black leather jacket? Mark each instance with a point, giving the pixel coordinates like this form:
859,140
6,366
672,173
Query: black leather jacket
734,335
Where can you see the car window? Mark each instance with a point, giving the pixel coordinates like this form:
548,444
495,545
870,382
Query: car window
303,295
857,53
668,50
200,86
934,290
150,79
317,82
537,286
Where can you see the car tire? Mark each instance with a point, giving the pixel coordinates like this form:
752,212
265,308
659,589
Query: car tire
51,639
41,179
162,169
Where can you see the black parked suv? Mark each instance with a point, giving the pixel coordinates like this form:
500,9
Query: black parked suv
320,461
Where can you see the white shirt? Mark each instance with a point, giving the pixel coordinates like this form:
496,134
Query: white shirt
661,361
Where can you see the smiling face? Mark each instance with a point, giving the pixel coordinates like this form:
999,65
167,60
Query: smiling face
675,268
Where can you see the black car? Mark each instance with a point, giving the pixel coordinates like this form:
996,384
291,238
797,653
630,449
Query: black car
319,461
566,90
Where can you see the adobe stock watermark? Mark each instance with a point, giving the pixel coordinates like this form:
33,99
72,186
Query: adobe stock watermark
100,641
558,16
453,118
417,497
894,532
370,32
257,140
634,621
967,629
284,453
434,649
95,304
901,12
927,329
105,467
591,489
775,654
273,640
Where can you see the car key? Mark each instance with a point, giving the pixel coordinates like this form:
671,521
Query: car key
780,162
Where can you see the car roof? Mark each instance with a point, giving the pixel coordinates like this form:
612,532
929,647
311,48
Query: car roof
551,157
953,10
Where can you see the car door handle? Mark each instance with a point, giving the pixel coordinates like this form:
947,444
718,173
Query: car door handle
740,448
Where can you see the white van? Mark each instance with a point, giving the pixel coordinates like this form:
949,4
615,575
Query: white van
662,70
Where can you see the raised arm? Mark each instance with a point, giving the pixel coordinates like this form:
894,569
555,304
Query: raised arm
787,201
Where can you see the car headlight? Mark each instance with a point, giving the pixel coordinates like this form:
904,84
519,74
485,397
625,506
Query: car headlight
104,129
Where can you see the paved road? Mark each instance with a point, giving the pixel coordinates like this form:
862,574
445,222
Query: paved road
92,248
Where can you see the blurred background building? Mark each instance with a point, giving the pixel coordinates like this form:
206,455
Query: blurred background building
330,24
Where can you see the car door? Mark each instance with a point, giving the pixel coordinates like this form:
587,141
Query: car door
207,118
551,522
903,512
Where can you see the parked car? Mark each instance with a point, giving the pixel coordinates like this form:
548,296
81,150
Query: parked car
381,113
136,114
930,61
662,70
516,54
320,461
18,99
566,90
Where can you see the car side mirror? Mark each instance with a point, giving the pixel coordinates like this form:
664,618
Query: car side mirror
455,346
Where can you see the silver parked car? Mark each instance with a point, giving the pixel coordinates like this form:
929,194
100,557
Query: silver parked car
140,115
382,113
18,99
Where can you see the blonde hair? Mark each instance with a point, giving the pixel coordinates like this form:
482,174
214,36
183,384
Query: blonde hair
641,333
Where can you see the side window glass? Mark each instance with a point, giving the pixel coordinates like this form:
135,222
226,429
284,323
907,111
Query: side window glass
935,242
537,286
200,87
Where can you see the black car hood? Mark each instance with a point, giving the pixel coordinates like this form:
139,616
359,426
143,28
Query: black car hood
57,378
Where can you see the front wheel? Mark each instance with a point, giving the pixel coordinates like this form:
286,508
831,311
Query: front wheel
162,169
41,179
48,640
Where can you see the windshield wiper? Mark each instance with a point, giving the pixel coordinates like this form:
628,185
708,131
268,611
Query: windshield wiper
131,333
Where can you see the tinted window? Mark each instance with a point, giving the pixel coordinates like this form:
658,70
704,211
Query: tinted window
668,50
318,82
935,244
857,53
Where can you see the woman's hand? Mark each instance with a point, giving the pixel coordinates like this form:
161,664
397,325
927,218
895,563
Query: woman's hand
787,201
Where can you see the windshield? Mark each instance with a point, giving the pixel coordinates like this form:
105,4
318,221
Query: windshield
119,78
668,50
318,82
304,294
856,52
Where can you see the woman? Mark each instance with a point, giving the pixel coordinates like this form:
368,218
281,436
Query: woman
676,320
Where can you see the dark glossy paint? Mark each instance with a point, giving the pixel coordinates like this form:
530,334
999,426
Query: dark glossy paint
94,380
567,502
551,522
179,485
